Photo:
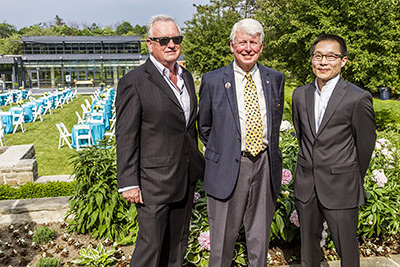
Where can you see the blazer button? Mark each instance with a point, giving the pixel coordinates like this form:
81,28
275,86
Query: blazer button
182,114
236,160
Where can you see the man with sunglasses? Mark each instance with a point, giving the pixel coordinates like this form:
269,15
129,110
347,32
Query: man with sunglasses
335,127
158,161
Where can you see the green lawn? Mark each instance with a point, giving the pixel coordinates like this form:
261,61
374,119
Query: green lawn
44,136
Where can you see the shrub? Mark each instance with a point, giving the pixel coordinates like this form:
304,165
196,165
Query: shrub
387,120
48,262
43,234
36,190
99,257
96,206
380,215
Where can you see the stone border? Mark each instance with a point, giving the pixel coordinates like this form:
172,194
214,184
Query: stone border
39,210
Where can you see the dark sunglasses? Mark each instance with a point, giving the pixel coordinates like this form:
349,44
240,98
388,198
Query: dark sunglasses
165,40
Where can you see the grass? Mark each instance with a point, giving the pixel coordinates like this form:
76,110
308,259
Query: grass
44,136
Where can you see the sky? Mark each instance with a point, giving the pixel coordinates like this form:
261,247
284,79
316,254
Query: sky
25,13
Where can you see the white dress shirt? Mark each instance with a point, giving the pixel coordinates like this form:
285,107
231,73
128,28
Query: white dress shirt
240,83
321,99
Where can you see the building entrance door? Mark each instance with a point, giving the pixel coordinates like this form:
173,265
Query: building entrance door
33,78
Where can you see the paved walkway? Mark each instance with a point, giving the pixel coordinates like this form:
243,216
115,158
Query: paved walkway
392,261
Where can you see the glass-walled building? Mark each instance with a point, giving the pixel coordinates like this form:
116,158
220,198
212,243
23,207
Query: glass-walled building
53,61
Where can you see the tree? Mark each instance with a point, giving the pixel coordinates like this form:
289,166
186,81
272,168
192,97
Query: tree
370,27
206,35
124,28
7,29
59,21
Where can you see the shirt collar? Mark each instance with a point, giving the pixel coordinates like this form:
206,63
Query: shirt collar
329,86
239,71
164,70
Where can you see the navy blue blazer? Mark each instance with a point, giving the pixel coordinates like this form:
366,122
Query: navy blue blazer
219,128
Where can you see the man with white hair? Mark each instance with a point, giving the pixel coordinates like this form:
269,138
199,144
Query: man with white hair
240,111
158,161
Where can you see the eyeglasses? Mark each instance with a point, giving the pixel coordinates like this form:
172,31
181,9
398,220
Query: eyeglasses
329,57
243,44
165,40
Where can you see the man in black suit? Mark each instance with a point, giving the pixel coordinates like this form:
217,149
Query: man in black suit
241,108
335,127
158,161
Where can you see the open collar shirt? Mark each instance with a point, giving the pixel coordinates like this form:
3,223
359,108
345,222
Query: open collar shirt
321,99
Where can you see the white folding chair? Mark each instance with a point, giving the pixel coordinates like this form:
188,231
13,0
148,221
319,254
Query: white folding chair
84,110
112,121
93,98
75,93
88,105
9,100
85,137
18,119
37,112
64,135
29,94
59,102
2,139
48,108
96,117
80,120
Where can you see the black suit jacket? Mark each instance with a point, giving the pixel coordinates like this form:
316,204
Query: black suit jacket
155,148
220,129
334,160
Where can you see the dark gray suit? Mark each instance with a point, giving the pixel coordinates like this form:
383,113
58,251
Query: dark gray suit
331,166
220,132
157,151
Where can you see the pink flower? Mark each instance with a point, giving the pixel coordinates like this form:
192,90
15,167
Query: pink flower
204,240
286,176
286,193
294,218
196,197
379,177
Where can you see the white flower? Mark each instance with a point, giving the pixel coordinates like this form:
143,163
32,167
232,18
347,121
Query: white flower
324,234
379,177
325,224
285,126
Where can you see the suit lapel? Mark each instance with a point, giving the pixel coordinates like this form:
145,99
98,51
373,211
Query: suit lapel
309,98
229,84
193,99
336,97
155,77
266,83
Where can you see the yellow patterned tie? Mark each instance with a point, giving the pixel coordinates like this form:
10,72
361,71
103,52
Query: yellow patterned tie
254,129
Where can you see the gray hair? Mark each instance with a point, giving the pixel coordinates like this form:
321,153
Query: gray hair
156,18
249,26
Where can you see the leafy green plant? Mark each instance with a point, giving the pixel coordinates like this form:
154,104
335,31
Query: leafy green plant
48,262
386,119
43,234
380,215
36,190
96,207
99,257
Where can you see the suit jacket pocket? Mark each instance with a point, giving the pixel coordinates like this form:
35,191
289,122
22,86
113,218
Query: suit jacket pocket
211,155
301,161
345,168
156,162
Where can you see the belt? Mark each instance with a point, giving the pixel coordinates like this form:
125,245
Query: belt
247,154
